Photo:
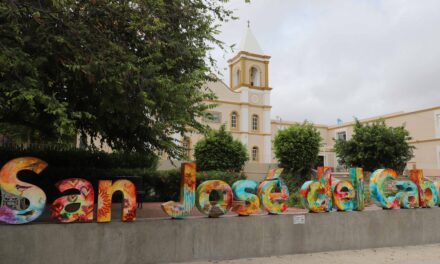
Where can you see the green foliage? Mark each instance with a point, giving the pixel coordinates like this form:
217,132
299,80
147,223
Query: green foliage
119,71
219,151
19,135
80,159
164,186
294,180
297,149
367,199
75,163
375,146
228,177
294,200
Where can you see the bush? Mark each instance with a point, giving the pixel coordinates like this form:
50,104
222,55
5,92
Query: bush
75,163
94,166
219,151
228,177
292,181
297,149
294,200
367,199
162,186
78,158
375,146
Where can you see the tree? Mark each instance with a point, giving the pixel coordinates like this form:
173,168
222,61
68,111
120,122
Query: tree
129,73
219,151
297,149
376,146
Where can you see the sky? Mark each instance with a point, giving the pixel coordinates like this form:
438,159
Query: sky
343,59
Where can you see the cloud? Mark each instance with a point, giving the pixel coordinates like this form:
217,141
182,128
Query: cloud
339,59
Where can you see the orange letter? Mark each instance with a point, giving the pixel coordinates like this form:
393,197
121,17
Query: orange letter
428,193
106,190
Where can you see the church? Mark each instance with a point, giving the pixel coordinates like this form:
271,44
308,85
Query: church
244,106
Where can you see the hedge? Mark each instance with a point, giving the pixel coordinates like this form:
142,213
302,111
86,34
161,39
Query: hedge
79,158
96,165
294,199
76,163
165,185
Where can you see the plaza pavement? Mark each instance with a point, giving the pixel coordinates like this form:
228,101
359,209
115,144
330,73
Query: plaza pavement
426,254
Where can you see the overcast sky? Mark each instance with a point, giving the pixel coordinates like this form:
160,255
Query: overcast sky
340,59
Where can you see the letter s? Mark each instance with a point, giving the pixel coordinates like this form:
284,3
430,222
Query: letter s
10,184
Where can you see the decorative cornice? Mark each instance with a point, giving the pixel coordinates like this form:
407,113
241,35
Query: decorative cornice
248,54
240,103
261,88
251,133
287,123
415,141
392,115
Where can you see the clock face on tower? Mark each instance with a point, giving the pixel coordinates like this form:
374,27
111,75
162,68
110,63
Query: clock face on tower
255,99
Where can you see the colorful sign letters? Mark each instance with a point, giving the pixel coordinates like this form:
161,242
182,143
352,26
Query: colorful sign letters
273,202
271,195
187,193
417,192
85,199
10,184
244,198
349,195
106,190
251,201
214,208
317,195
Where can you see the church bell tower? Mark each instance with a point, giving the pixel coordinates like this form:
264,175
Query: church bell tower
249,67
249,76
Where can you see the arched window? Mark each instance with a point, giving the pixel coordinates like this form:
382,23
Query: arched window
234,120
254,122
254,76
186,144
82,142
237,77
255,154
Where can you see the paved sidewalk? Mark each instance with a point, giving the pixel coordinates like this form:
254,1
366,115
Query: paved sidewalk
427,254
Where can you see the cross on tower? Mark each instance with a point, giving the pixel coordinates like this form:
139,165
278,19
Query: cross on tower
249,23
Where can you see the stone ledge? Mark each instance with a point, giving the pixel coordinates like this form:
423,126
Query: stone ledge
200,238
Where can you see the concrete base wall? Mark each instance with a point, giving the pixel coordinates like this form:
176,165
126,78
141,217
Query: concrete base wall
166,240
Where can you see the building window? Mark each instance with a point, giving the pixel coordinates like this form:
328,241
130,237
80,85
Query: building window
186,144
254,122
438,157
237,77
342,135
254,76
82,142
321,161
234,120
213,117
438,124
255,154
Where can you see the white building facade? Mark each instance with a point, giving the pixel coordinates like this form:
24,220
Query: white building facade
244,107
